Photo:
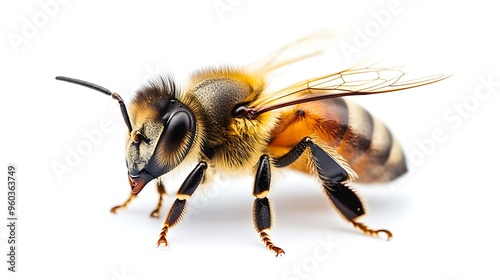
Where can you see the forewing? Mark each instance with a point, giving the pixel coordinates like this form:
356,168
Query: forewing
354,81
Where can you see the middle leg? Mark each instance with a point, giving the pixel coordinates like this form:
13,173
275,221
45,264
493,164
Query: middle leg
262,216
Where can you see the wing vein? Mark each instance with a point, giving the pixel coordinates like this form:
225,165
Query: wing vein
350,82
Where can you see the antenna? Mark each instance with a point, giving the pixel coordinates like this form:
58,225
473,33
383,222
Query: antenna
105,91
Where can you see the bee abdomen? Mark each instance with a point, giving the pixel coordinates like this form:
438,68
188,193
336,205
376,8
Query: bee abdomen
365,143
370,148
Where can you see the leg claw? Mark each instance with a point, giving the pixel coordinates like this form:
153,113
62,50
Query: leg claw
370,231
162,242
114,209
155,213
278,251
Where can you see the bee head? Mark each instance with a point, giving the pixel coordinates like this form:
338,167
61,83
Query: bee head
162,135
161,130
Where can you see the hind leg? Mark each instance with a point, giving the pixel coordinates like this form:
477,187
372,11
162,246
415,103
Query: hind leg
333,172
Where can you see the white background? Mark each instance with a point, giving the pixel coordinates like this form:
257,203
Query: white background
444,214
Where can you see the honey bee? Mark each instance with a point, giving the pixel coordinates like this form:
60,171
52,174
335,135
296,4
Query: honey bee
225,120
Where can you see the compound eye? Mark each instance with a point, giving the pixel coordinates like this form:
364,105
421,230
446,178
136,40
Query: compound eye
176,130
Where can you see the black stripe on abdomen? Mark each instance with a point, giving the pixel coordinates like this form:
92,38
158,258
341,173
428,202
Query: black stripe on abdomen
337,121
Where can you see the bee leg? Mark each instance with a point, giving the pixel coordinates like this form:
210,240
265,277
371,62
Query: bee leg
332,173
125,204
345,200
262,217
154,214
161,191
178,208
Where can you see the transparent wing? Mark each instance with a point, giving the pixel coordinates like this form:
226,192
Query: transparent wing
354,81
311,45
